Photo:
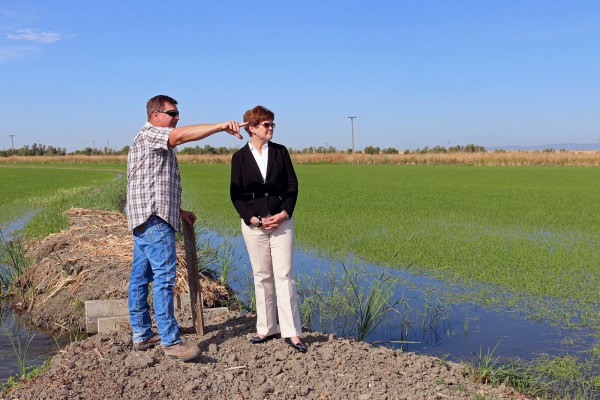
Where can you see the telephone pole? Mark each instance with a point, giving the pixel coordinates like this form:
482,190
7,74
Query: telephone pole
352,122
12,147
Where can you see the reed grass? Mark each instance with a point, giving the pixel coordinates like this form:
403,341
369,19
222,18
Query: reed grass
20,348
20,337
349,302
508,158
219,261
516,158
13,261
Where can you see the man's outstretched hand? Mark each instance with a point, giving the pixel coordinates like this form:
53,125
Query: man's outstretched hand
233,128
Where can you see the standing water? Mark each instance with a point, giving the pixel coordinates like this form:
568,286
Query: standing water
421,322
21,346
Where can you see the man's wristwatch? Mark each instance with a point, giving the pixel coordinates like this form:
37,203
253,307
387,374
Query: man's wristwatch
259,221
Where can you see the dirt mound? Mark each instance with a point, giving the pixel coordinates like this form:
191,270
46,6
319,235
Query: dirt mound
229,367
90,260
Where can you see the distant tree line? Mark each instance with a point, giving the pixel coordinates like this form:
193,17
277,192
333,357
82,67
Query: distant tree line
470,148
208,149
44,150
34,150
105,151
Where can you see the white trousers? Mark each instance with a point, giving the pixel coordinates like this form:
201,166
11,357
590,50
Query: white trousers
271,255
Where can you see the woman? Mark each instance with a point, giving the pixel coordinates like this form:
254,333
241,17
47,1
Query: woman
264,189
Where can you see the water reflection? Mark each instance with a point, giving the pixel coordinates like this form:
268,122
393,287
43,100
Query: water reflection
422,322
18,341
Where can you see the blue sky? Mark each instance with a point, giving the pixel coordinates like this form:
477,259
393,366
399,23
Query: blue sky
414,73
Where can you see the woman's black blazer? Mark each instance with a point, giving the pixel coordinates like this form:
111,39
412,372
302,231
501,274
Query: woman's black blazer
251,196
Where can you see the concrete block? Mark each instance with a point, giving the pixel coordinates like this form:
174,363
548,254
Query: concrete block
95,309
216,309
116,311
113,324
183,300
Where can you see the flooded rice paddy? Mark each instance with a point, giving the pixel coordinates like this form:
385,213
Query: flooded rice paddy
422,322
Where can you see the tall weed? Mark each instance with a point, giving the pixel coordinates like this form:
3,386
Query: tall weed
13,261
350,303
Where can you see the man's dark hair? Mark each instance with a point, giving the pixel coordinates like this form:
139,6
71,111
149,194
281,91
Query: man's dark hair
157,103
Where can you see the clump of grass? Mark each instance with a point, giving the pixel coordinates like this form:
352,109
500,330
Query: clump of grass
350,304
15,380
13,261
489,369
78,305
220,260
371,304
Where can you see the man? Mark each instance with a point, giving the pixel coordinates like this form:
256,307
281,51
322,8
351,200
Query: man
153,213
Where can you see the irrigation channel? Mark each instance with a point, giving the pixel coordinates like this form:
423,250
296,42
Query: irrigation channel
421,323
36,344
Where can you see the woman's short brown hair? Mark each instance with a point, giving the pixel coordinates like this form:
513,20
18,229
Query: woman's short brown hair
256,115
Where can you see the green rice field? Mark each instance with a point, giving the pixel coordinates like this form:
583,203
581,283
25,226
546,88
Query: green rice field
518,232
49,191
529,231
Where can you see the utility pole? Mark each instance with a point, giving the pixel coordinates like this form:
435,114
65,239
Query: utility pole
352,122
12,147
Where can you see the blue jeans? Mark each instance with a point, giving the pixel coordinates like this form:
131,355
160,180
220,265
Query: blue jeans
153,260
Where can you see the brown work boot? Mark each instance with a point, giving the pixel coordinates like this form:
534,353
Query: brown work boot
146,344
181,351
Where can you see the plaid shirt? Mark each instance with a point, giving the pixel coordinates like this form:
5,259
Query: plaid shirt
153,181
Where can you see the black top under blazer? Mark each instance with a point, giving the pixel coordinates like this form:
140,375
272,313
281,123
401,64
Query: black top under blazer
251,196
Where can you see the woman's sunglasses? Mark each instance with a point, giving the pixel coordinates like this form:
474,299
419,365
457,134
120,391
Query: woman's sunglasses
268,125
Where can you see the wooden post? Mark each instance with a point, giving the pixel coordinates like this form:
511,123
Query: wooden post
191,258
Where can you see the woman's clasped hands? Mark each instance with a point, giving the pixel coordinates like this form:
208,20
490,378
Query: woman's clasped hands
271,222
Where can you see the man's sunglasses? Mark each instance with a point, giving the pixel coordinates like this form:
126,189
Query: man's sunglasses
268,125
170,113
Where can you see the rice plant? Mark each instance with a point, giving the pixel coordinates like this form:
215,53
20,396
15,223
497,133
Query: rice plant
13,261
571,376
350,303
219,260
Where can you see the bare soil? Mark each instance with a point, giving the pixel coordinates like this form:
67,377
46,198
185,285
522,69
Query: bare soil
91,260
